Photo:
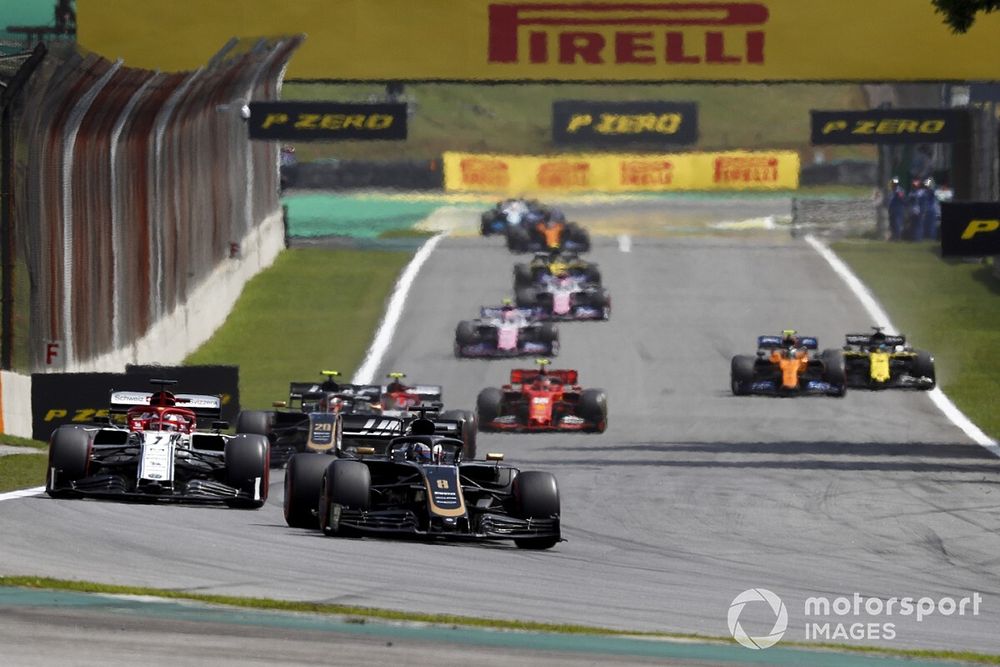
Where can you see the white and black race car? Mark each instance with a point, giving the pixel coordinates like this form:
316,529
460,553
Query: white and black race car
159,454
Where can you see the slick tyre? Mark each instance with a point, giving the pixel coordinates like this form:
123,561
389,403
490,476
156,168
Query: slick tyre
303,483
536,496
248,464
518,239
489,405
257,422
594,408
526,297
69,460
835,370
466,333
346,485
741,374
522,275
469,430
923,366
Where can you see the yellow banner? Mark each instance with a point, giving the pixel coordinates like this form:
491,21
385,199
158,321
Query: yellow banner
563,40
525,174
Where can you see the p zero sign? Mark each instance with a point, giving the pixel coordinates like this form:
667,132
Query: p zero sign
887,126
326,121
970,229
560,40
620,123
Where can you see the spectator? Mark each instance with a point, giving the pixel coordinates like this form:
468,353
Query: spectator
930,212
914,204
896,203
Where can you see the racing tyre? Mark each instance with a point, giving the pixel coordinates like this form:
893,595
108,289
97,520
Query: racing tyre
523,276
257,422
594,408
580,236
741,374
518,239
303,483
69,460
923,366
835,370
526,297
536,495
346,484
592,275
486,223
248,464
469,430
466,333
489,404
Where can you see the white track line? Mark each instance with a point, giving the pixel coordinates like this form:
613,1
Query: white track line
625,243
383,337
23,493
881,318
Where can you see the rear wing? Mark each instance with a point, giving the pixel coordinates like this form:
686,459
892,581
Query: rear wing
428,392
771,342
875,339
496,312
378,427
526,375
202,405
297,391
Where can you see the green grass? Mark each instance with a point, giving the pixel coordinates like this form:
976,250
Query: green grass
314,309
361,614
22,471
516,118
949,307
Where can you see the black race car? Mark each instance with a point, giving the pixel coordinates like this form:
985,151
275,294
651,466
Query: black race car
307,421
878,360
159,454
507,213
421,485
546,265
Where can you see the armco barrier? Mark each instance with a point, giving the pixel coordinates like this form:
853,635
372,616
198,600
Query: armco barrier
516,174
135,188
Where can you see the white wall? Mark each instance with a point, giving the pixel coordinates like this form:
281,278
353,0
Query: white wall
15,402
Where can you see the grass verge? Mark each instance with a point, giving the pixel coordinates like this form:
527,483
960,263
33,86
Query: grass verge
22,471
360,614
313,309
947,306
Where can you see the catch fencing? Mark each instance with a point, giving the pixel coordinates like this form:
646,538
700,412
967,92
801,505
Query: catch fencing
131,187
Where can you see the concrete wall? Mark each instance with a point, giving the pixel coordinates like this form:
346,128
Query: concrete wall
15,403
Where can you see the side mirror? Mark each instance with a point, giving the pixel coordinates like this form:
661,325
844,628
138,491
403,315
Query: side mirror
280,404
494,456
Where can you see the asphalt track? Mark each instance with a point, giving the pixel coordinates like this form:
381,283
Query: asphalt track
689,498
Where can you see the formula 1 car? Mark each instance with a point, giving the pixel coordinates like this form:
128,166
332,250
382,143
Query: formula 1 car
788,365
506,331
542,400
159,454
507,213
550,264
421,485
551,232
566,298
878,361
307,421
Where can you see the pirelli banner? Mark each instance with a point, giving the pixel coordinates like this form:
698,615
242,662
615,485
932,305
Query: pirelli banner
970,229
592,123
326,121
560,40
888,126
517,174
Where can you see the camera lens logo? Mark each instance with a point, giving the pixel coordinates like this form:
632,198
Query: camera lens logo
780,621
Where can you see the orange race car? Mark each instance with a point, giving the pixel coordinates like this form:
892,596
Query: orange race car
547,230
787,365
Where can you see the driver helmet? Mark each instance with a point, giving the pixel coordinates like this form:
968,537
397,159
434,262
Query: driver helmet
789,338
421,453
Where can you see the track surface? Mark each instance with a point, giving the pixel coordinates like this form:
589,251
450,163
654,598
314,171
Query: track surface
690,497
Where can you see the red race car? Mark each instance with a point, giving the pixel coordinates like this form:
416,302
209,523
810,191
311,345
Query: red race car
542,400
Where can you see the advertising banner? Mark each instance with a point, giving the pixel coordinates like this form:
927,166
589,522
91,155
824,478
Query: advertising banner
970,229
518,174
887,126
326,121
612,124
560,40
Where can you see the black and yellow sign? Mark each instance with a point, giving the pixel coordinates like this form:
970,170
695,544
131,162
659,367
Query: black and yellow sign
970,229
619,123
326,121
887,126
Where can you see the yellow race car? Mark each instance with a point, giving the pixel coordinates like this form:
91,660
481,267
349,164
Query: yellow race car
879,360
